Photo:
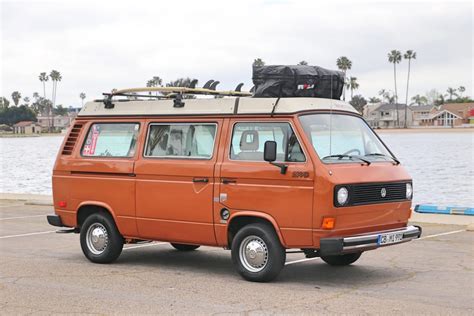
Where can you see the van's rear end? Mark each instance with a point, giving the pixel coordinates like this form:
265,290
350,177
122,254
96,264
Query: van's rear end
362,193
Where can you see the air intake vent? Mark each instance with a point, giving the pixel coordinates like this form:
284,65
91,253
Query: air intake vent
71,139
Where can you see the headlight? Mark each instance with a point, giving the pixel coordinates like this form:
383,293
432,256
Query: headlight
409,191
342,196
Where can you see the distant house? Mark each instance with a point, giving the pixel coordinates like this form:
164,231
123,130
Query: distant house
60,121
385,116
449,114
421,114
471,117
27,127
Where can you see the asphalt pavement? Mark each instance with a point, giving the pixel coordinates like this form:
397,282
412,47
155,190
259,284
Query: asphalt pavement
44,272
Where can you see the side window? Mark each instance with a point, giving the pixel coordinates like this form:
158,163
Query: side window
188,140
111,140
248,141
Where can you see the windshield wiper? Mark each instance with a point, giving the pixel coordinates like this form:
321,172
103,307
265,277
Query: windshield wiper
397,162
350,157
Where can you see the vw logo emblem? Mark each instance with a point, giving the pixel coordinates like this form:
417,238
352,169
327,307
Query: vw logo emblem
383,192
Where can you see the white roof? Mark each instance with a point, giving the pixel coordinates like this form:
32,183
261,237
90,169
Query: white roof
201,106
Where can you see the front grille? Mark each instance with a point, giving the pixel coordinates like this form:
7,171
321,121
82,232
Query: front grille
369,193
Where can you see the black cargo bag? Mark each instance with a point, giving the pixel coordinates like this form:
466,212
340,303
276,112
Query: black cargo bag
297,81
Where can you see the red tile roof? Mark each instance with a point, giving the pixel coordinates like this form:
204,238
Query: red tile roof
24,123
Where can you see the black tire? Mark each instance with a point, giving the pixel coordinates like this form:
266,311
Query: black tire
275,253
342,260
102,223
184,247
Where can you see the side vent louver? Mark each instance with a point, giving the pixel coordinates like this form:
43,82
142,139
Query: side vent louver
71,139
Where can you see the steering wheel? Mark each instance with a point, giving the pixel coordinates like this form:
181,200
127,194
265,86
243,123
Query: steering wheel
352,150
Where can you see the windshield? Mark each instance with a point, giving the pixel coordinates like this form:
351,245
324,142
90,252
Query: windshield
343,138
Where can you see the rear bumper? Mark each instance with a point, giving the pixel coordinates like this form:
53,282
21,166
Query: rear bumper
336,246
55,220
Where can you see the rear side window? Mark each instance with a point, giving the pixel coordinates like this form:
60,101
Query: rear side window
248,141
181,140
111,140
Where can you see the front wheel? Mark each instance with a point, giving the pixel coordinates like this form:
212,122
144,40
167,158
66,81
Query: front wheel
184,247
101,241
257,253
342,260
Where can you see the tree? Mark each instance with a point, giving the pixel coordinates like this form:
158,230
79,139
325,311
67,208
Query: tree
303,63
16,96
258,62
419,100
4,103
82,95
13,115
352,85
60,110
410,54
395,57
387,96
451,92
27,101
182,82
344,64
374,100
36,95
43,77
461,90
55,78
358,102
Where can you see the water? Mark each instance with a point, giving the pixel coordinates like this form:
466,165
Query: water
441,164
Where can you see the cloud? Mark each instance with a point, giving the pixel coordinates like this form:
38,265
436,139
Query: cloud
102,45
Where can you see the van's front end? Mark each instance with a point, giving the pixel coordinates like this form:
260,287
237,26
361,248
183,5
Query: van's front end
362,193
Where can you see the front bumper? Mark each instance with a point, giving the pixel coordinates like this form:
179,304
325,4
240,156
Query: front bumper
337,246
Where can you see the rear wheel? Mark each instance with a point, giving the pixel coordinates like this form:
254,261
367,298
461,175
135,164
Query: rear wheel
342,260
101,241
184,247
257,253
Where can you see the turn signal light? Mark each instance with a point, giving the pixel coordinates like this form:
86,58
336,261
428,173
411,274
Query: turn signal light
329,222
62,204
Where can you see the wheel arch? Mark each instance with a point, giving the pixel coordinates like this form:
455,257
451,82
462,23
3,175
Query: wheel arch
88,208
241,219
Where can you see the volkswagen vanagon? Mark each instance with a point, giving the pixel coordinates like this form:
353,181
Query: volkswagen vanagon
257,176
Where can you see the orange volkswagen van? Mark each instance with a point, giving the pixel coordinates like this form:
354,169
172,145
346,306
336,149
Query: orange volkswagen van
257,176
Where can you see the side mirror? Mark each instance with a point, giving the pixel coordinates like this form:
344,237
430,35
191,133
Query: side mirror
270,155
270,151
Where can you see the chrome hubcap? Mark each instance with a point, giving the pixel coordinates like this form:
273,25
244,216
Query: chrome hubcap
97,238
253,253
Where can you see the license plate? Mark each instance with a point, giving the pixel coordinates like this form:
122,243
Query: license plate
387,239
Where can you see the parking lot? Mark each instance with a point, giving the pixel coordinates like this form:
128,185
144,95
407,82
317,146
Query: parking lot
45,272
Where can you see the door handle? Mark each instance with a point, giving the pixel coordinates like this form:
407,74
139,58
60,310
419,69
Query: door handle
227,181
201,180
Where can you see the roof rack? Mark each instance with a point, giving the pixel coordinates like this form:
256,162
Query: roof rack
175,92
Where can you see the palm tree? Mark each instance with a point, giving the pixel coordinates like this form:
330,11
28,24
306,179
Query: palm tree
16,96
410,54
461,90
374,100
451,92
419,99
258,62
27,101
82,95
36,96
353,85
43,77
344,64
55,78
303,63
395,57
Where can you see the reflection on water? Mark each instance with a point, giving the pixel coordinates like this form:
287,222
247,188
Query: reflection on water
441,164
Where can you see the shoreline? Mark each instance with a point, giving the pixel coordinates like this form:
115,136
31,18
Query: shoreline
426,130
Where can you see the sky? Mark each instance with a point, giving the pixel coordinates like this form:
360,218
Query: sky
99,45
